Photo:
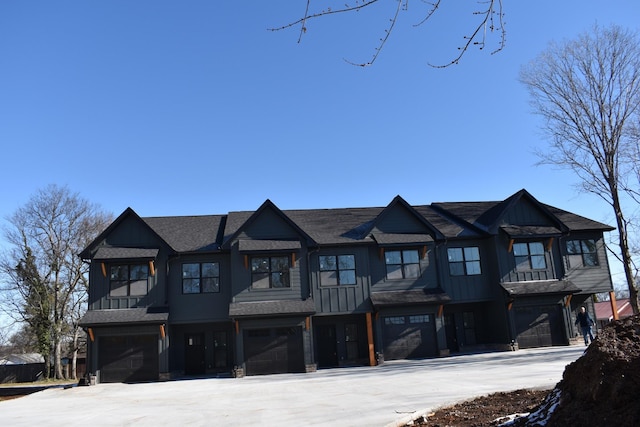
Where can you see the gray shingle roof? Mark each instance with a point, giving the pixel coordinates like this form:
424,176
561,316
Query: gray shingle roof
272,308
188,233
404,298
143,315
353,225
113,253
398,238
246,245
530,231
578,223
541,287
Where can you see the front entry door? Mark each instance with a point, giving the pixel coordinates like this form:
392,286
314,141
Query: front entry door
327,346
194,354
451,332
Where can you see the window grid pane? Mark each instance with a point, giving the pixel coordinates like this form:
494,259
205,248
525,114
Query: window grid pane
128,280
200,278
402,264
270,272
529,256
582,253
328,278
348,277
464,261
337,270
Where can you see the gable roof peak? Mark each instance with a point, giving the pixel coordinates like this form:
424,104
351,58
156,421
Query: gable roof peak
398,200
128,212
267,204
509,202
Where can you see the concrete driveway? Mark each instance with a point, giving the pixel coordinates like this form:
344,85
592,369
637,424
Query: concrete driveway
364,396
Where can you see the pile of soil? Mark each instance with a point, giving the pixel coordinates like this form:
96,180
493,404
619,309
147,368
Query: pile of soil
602,387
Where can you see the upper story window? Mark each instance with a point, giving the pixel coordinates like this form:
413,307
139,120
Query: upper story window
337,270
270,272
128,280
529,256
464,261
582,253
402,264
200,277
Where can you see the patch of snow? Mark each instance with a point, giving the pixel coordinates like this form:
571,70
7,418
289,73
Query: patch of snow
541,416
508,419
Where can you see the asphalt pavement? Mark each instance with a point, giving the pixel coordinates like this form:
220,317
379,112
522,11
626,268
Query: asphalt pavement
386,395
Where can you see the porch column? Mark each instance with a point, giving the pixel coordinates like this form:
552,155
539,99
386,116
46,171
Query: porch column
614,305
372,353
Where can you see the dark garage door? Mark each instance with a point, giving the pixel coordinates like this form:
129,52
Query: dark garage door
273,350
128,358
409,337
539,326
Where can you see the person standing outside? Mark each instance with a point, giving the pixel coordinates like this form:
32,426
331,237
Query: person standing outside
585,322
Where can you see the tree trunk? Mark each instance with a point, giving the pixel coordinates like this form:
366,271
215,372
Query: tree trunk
624,250
57,354
47,365
74,355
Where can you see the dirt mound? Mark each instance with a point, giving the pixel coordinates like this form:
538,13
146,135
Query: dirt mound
601,388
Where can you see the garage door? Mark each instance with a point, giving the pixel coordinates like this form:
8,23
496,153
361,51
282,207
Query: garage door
273,350
128,358
539,326
409,337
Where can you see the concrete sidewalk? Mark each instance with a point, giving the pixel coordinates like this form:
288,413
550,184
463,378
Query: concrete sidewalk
363,396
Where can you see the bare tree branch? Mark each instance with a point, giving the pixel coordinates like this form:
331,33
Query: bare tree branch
491,20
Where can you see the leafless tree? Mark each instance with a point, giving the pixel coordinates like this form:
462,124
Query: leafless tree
45,236
490,19
587,91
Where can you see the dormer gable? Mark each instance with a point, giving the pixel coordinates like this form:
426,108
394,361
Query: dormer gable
400,223
128,231
522,215
268,224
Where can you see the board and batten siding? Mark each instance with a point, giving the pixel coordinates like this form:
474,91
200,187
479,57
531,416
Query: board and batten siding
342,298
467,287
241,290
378,271
99,298
199,307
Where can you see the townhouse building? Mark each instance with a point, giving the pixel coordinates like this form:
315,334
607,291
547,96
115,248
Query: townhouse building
275,291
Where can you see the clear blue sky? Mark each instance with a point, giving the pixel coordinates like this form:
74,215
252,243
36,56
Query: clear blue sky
181,108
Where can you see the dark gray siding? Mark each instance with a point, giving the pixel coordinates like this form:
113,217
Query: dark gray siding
241,278
472,287
134,234
342,299
269,225
524,212
507,263
378,270
202,307
399,220
589,279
